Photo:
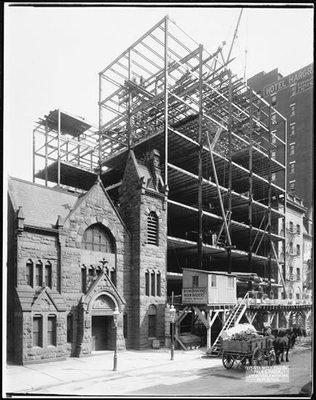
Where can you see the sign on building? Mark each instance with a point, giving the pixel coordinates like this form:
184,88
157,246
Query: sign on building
299,81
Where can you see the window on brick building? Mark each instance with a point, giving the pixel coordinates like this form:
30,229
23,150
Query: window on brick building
292,129
292,168
291,226
292,90
51,330
298,249
291,273
292,149
297,296
158,284
292,110
153,284
147,283
291,247
39,274
298,274
273,154
152,321
29,272
98,238
298,229
273,177
152,229
69,328
48,274
37,331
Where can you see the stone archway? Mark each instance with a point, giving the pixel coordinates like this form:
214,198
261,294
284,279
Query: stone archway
102,326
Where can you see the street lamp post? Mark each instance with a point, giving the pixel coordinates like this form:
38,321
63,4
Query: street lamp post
172,320
115,320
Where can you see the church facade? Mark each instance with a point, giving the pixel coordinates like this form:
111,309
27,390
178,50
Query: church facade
84,274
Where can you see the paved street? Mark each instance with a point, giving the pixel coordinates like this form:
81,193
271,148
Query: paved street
151,373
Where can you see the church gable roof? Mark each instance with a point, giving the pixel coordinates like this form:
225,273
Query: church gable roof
102,283
44,299
40,205
91,195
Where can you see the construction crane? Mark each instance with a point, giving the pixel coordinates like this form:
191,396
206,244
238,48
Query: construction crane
235,35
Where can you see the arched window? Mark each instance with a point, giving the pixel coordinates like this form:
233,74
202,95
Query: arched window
147,283
69,328
29,272
98,238
48,274
38,331
39,273
152,228
153,283
158,291
51,330
152,317
83,279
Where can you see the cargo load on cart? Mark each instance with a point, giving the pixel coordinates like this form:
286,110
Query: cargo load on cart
244,344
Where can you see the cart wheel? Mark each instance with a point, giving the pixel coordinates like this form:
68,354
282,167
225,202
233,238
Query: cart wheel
271,358
228,361
257,357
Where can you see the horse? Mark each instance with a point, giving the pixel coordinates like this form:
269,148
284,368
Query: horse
283,342
299,331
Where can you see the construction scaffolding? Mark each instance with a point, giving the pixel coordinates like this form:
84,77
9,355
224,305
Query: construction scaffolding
65,150
222,147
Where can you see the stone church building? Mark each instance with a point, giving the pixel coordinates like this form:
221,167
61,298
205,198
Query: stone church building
75,260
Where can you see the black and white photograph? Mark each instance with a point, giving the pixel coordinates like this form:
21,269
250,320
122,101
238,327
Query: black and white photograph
158,200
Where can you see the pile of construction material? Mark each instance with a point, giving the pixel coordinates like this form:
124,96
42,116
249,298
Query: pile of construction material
240,332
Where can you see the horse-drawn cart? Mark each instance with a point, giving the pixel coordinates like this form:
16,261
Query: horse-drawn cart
252,352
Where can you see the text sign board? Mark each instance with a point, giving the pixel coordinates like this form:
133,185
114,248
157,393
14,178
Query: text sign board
299,81
194,295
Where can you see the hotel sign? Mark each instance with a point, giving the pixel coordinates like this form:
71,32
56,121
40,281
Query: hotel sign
299,81
194,295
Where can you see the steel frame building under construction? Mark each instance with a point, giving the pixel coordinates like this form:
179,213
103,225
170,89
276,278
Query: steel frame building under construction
222,161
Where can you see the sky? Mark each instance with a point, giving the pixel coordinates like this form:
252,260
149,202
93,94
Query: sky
52,56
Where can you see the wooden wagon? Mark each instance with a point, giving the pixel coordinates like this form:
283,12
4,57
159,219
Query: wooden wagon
248,352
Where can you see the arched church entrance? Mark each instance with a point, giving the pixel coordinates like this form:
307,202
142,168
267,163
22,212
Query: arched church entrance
103,332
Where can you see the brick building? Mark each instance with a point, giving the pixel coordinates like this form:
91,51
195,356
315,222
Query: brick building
75,259
293,271
292,95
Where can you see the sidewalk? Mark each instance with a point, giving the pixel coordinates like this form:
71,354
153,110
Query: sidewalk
137,371
23,379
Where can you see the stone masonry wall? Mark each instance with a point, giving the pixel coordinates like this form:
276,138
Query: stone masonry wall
136,204
130,212
153,258
36,245
45,352
93,208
